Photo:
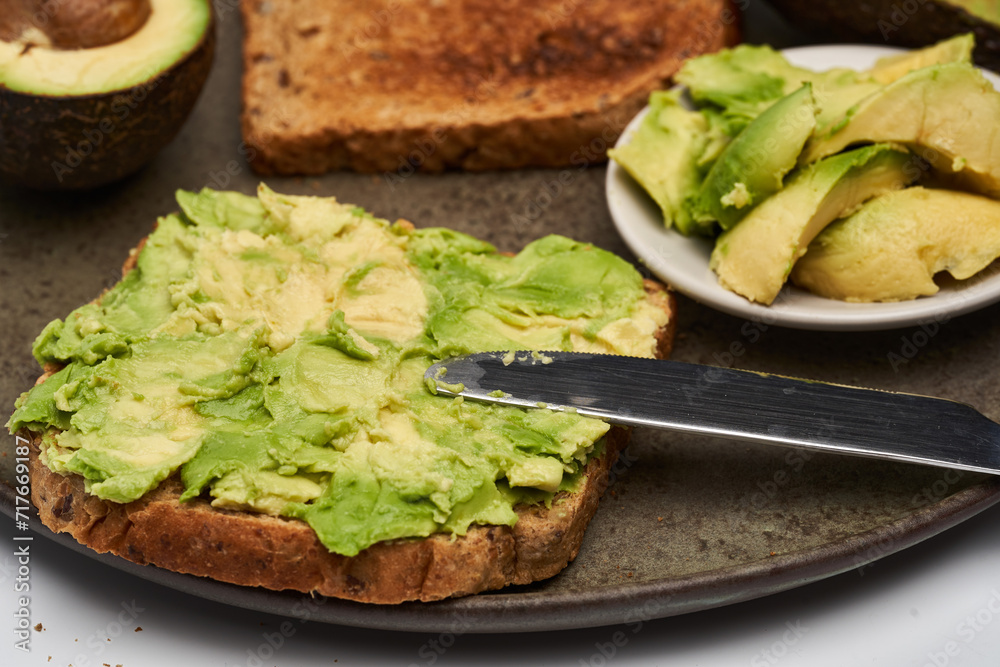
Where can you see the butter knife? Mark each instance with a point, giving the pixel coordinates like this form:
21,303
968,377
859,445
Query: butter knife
729,403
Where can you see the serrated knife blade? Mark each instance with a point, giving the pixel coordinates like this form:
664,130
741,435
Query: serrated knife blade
729,403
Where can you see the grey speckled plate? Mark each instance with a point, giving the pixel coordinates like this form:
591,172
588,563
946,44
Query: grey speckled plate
688,524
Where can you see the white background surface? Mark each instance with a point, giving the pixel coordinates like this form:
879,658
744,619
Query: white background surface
935,604
908,609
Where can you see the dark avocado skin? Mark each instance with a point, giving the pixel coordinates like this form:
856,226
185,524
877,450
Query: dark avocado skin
889,22
42,137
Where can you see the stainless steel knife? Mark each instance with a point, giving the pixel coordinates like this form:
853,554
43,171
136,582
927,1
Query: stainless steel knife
729,403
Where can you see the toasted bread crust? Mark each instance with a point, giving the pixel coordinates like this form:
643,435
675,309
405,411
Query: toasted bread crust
395,86
285,554
278,553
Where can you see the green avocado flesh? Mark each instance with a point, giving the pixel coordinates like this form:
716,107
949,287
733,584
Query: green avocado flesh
173,29
946,113
984,9
763,155
665,154
892,248
753,117
958,49
755,257
754,164
271,352
743,82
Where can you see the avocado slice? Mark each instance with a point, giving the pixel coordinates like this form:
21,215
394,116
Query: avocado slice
744,81
73,118
958,49
675,146
755,257
947,114
753,165
663,157
895,23
892,247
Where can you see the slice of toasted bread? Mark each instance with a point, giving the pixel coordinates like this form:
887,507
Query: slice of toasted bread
400,85
279,553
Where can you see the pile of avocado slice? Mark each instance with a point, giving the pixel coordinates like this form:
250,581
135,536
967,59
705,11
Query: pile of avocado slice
827,177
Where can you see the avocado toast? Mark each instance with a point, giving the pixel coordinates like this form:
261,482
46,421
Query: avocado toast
248,404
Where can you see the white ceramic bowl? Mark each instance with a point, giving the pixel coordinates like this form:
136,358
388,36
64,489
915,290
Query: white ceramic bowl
682,261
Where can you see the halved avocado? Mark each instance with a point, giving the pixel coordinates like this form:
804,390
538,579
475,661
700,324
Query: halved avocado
896,23
75,118
81,24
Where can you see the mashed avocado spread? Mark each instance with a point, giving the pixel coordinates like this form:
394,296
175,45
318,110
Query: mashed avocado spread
271,351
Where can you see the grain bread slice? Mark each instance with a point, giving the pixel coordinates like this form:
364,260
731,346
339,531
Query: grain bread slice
279,553
284,554
399,85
